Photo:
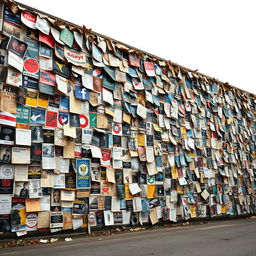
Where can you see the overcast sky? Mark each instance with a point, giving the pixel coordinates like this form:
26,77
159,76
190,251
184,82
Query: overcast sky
216,37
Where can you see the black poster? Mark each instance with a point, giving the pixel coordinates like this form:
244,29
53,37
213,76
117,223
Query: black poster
36,152
48,136
99,219
70,180
30,83
7,135
5,223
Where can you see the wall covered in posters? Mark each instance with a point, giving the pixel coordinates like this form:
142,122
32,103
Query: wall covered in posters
92,127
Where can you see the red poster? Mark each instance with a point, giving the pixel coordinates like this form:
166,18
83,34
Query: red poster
84,121
105,160
31,66
116,129
47,39
51,118
47,77
149,67
28,19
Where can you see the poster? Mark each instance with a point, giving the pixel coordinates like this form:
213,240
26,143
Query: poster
5,204
46,39
37,116
42,25
36,152
17,47
48,156
55,197
35,190
80,207
21,189
15,61
84,121
67,218
5,154
108,218
56,219
5,224
6,178
106,155
63,119
31,221
117,129
81,93
83,173
67,195
14,77
76,58
23,137
20,155
23,115
31,63
67,37
18,215
48,135
7,135
29,83
51,118
47,78
59,180
28,19
36,134
43,220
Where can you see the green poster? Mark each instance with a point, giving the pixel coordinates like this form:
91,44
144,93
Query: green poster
67,37
23,115
93,120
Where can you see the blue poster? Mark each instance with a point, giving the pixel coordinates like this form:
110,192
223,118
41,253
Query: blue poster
37,116
64,103
81,93
30,82
63,118
83,173
11,17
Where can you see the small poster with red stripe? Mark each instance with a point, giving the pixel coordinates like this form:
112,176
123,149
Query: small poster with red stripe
84,121
7,119
117,129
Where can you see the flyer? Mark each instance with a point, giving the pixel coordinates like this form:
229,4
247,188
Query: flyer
83,173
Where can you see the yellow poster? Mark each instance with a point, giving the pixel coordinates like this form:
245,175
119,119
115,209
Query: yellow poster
31,99
174,172
183,132
42,101
151,191
179,189
141,99
192,209
128,194
141,139
18,219
223,209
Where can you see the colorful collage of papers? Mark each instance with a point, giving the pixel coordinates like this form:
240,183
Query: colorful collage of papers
96,132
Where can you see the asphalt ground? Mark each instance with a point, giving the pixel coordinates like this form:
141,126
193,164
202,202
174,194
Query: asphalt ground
229,237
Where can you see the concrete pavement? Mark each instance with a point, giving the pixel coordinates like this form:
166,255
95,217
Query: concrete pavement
225,238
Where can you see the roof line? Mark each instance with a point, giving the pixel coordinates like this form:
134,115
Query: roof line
126,45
